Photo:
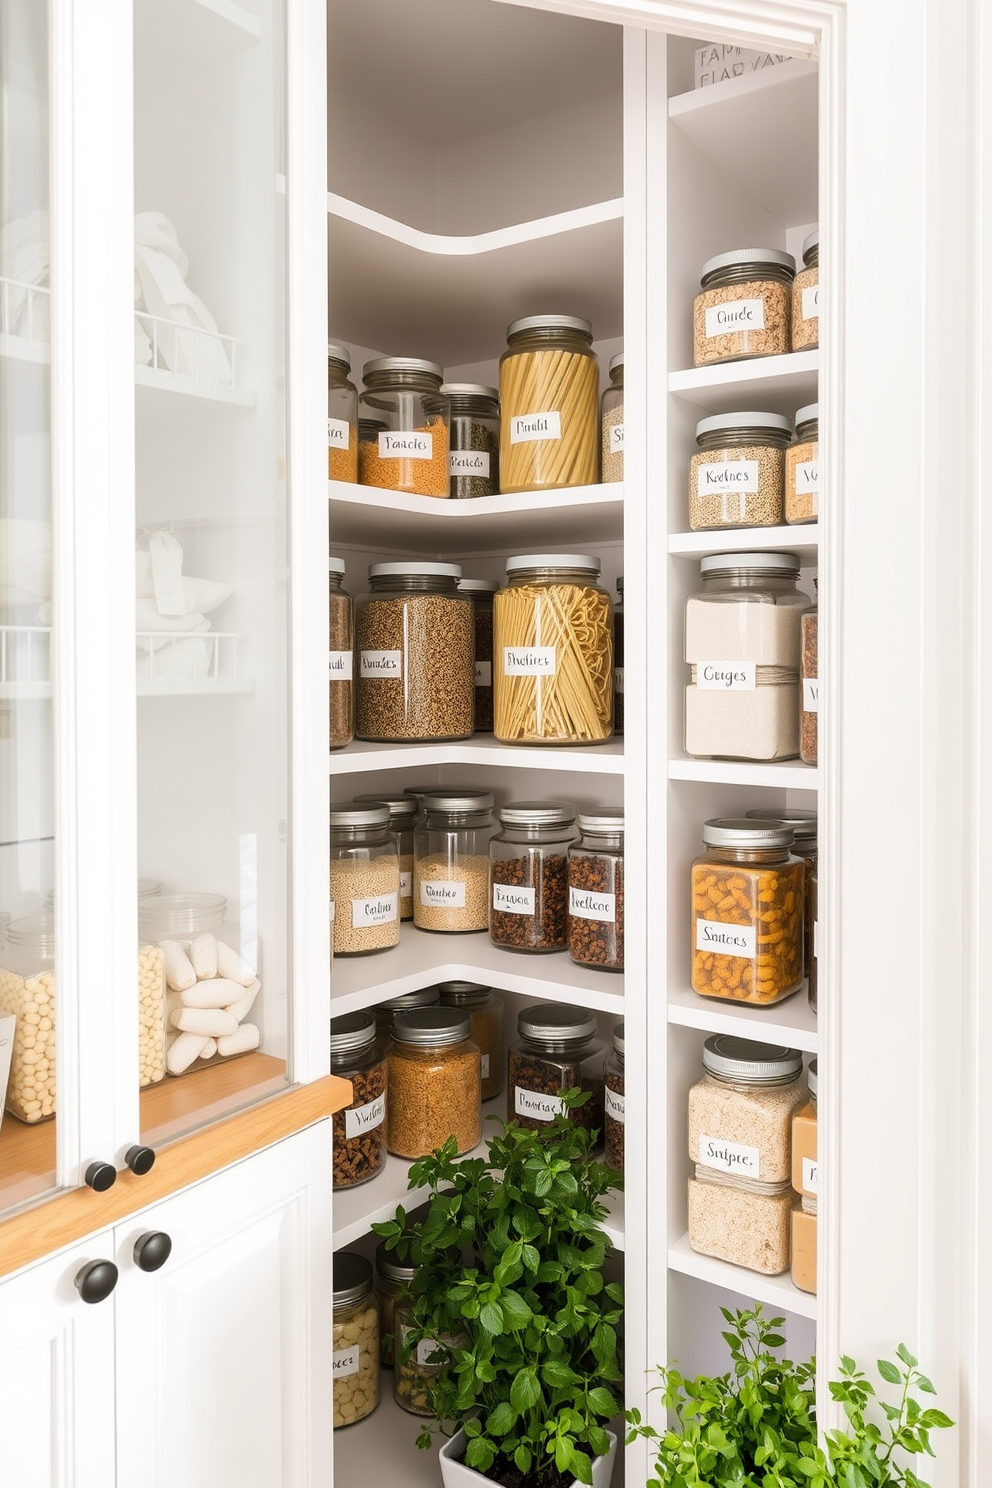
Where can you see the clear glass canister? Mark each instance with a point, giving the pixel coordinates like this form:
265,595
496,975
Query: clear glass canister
385,1012
410,452
557,1049
392,1278
613,1106
595,891
742,641
812,907
415,644
403,812
355,1356
802,468
736,476
27,992
805,1181
417,1365
528,909
473,452
342,416
434,1079
549,401
365,879
746,924
340,656
485,1009
745,306
809,716
804,828
612,423
806,297
480,592
359,1131
451,861
618,660
553,652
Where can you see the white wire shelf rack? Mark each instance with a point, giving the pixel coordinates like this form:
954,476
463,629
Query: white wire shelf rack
168,664
24,320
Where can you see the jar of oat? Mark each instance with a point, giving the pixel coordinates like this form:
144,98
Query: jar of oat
802,468
402,821
365,879
745,306
409,452
451,861
423,997
804,829
392,1278
415,645
613,1102
746,923
417,1365
473,453
612,423
557,1048
595,891
736,476
528,908
618,660
27,990
342,416
359,1131
355,1356
485,1009
340,656
806,297
549,401
434,1079
480,592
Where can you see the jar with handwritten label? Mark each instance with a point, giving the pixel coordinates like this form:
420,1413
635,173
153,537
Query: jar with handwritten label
365,879
409,452
737,475
549,405
528,909
473,453
340,657
342,416
485,1009
612,421
745,306
355,1352
402,820
802,468
613,1101
359,1130
392,1280
806,1182
806,297
451,861
558,1048
595,890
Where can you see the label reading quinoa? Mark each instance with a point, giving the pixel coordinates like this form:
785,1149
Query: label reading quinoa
346,1361
406,885
365,1118
530,426
807,476
468,462
618,679
442,893
338,434
536,1105
339,666
411,444
811,695
811,302
616,439
614,1104
514,899
379,911
726,676
810,1175
735,315
483,674
388,664
592,904
532,661
729,1157
725,940
727,475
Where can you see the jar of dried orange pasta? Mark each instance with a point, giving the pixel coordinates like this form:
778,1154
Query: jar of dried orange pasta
404,430
549,404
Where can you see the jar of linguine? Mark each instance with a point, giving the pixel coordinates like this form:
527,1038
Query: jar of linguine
549,402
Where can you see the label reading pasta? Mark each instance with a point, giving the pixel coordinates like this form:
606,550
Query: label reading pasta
727,475
811,302
365,1118
528,661
346,1361
726,676
442,893
730,1157
513,899
536,1105
616,439
807,476
618,679
406,885
735,315
387,664
811,695
725,940
468,462
379,911
410,444
483,674
338,434
811,1175
530,426
592,904
613,1104
339,666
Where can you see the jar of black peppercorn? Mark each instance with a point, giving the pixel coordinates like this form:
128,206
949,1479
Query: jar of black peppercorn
480,592
595,891
473,450
557,1049
613,1106
528,876
359,1131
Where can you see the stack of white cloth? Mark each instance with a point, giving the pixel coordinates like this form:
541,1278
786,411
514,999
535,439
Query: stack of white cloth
25,258
189,346
171,613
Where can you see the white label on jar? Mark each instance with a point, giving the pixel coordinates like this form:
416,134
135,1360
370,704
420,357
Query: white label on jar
810,1175
485,1067
483,674
726,940
331,909
381,910
529,426
591,904
730,1157
338,434
811,695
406,444
406,885
727,475
469,462
614,1104
528,661
726,676
513,899
811,302
442,893
382,664
616,439
807,476
735,315
339,666
618,679
537,1105
365,1118
425,1349
346,1361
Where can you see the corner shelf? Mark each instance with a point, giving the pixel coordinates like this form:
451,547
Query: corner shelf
778,384
785,775
803,540
774,1291
791,1022
483,749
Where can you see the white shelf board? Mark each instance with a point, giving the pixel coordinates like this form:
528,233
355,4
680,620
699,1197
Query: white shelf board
803,540
786,775
21,349
483,749
775,384
774,1291
738,124
192,689
382,1449
155,377
792,1022
423,958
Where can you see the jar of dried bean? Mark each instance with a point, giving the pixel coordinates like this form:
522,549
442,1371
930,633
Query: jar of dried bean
359,1131
736,476
802,468
747,912
473,453
812,907
415,639
392,1278
745,306
809,717
434,1078
355,1356
618,660
549,399
365,879
480,592
806,297
417,1365
410,451
342,416
340,656
402,820
528,874
557,1049
451,861
27,991
595,891
804,829
385,1012
485,1009
613,1104
612,423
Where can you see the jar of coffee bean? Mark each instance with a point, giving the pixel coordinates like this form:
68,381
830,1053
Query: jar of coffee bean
557,1049
595,891
355,1355
360,1129
528,876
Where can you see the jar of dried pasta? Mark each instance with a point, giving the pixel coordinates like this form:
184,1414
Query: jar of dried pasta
806,297
802,468
434,1080
402,821
410,451
612,423
736,476
340,656
746,922
473,434
365,879
528,876
392,1279
745,306
549,403
558,1048
342,415
451,861
355,1355
480,592
553,652
485,1009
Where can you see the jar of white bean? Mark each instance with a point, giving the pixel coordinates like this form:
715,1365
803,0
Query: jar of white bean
27,990
355,1356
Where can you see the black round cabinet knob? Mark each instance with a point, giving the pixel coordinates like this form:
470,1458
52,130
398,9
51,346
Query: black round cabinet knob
96,1281
151,1251
101,1176
140,1160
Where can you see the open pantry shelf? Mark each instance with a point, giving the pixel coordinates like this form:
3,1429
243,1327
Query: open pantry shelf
786,775
803,540
599,759
791,1022
776,384
774,1291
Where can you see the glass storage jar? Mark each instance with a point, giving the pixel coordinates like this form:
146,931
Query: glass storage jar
403,812
392,1278
747,912
434,1079
747,1224
806,297
553,652
557,1049
368,449
415,644
613,1102
27,992
485,1010
359,1131
812,898
805,1181
365,879
802,468
424,997
528,876
618,660
410,453
742,641
340,656
451,861
417,1365
480,592
745,307
804,829
736,476
612,423
355,1356
342,415
473,439
809,716
549,402
595,891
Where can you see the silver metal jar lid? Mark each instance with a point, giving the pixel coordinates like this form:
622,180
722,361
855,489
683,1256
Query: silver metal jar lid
756,256
352,1277
812,240
556,1022
616,361
469,390
536,813
618,1038
749,420
478,586
431,1025
458,800
350,814
602,823
552,322
744,831
399,806
422,997
338,353
773,563
441,570
620,584
803,823
808,414
389,1268
811,1078
403,364
749,1062
335,565
553,560
352,1031
463,994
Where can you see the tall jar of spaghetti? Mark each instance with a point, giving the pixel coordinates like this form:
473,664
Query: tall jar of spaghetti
549,402
553,652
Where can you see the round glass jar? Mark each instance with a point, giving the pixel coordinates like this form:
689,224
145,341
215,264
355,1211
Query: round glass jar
804,845
557,1049
612,423
549,401
365,879
473,435
485,1009
410,451
434,1078
553,652
451,861
417,1365
355,1357
618,660
528,876
403,811
340,656
480,592
809,716
595,891
812,905
802,468
392,1278
746,923
742,641
745,306
613,1107
736,476
385,1012
27,991
806,297
359,1131
342,416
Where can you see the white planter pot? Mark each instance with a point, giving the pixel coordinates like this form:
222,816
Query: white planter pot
454,1473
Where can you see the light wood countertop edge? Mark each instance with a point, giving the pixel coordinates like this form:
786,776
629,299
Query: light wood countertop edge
69,1217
